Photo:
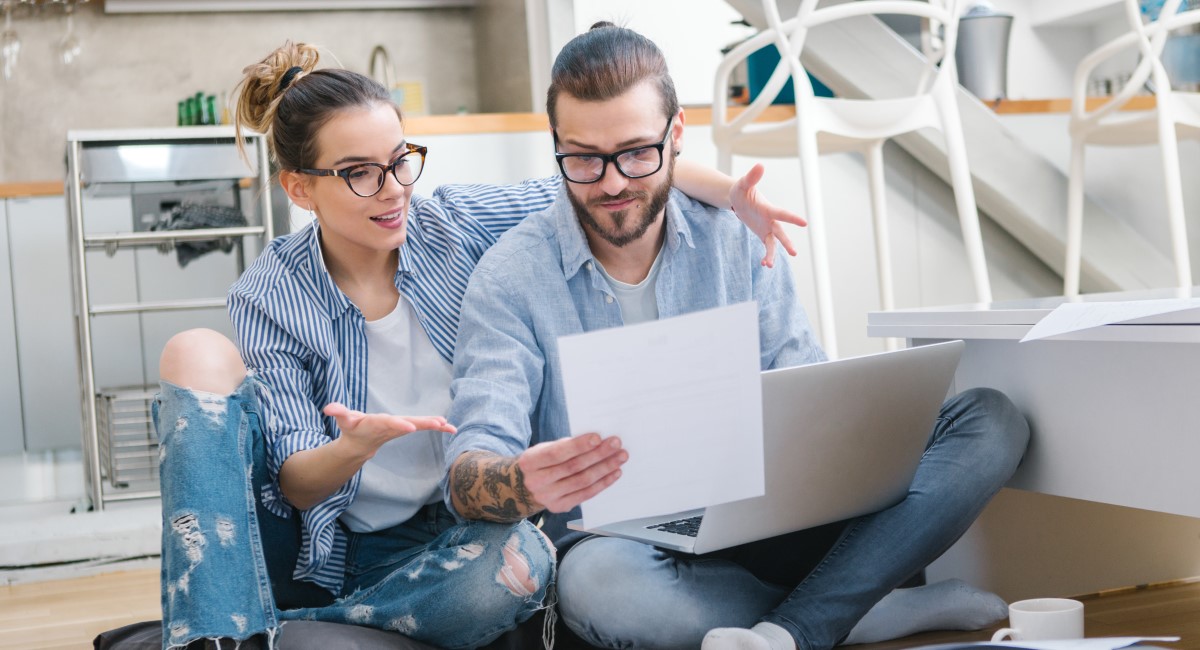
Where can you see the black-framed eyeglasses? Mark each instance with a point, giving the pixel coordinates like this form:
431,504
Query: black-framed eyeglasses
366,179
635,162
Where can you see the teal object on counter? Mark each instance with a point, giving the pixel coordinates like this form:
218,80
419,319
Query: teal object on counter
759,67
1151,8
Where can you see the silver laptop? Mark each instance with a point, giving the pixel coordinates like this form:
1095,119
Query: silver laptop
840,438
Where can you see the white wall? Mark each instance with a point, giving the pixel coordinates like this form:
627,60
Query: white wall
690,33
135,67
1041,61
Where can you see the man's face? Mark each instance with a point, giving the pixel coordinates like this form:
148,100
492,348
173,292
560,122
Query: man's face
618,209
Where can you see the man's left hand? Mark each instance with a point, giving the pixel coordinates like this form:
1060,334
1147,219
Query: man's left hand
761,216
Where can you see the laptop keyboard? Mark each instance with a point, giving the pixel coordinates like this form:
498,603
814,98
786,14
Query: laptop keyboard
687,527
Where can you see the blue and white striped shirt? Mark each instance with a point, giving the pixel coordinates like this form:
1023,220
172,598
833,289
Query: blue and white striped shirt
305,340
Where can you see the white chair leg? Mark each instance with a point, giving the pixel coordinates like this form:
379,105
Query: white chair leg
1175,217
810,178
873,156
964,193
725,159
1072,264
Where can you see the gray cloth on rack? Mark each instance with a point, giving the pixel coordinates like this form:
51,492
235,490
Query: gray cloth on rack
194,216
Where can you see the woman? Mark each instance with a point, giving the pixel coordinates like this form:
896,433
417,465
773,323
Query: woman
342,324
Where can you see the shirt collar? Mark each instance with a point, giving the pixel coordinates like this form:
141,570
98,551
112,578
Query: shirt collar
336,301
573,242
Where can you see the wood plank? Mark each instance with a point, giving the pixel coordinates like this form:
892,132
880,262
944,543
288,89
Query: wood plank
31,188
70,613
1020,106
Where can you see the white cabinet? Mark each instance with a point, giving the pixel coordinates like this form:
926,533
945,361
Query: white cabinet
11,429
45,331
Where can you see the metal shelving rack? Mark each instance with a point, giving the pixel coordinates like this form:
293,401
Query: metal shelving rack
119,441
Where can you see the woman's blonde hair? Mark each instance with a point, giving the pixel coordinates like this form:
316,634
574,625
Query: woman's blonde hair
287,99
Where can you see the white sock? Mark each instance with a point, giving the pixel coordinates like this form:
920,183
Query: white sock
763,636
946,605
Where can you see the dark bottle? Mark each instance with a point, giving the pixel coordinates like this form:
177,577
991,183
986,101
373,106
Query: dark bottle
201,117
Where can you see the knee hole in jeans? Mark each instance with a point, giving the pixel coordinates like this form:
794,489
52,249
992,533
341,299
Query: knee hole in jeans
515,572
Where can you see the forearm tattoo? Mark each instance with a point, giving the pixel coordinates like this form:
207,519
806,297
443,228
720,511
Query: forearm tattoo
490,487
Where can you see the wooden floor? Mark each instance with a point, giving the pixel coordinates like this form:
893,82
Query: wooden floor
70,613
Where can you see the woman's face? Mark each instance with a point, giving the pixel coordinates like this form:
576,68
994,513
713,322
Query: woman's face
352,224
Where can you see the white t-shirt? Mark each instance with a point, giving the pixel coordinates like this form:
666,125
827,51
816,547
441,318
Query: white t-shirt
405,376
639,302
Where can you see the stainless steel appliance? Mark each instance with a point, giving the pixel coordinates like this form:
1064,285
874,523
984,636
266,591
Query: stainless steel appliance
156,171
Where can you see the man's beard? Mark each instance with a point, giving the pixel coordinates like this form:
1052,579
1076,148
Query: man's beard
652,203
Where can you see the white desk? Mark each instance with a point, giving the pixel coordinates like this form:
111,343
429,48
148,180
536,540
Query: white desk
1114,411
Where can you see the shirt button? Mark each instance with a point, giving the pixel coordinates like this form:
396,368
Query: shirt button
608,299
589,266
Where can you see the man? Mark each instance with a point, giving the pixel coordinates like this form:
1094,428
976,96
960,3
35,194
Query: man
619,247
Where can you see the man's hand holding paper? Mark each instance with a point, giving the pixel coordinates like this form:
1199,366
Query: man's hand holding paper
685,397
563,474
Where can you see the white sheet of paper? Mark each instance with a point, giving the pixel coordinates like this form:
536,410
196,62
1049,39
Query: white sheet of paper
685,396
1076,316
1100,643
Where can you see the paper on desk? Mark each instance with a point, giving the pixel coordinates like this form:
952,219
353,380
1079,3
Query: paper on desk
1076,316
1102,643
685,396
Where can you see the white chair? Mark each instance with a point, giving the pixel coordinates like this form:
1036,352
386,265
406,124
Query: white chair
828,125
1176,115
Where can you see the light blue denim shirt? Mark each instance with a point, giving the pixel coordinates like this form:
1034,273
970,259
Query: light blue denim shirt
540,281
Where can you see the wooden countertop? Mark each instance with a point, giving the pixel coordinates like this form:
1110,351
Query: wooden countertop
31,188
1027,106
518,122
524,122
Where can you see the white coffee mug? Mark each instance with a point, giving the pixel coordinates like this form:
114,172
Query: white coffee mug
1042,619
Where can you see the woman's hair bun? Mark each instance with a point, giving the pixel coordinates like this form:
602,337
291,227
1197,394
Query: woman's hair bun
265,82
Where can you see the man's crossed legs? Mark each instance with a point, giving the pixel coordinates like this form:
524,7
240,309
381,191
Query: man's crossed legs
814,589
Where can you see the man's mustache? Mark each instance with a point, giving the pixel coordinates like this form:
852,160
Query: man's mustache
623,196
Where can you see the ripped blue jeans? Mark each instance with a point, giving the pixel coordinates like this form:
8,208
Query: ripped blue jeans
227,561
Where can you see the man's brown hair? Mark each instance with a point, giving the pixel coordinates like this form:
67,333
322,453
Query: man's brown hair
605,62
